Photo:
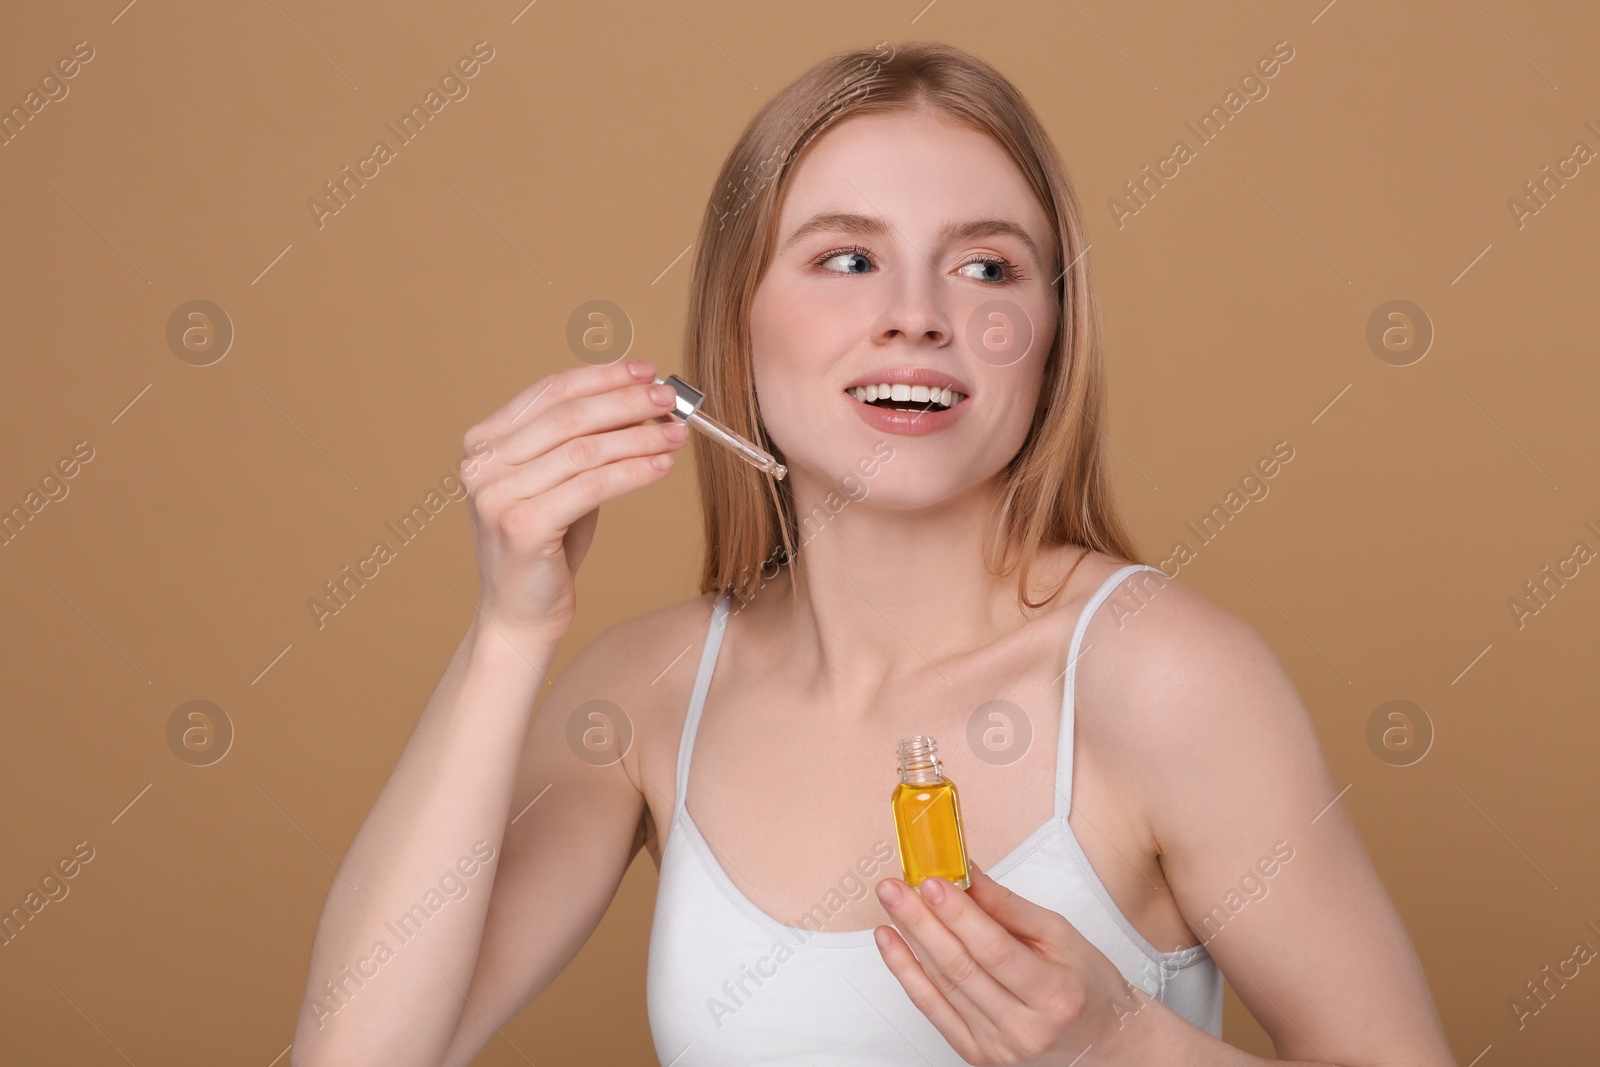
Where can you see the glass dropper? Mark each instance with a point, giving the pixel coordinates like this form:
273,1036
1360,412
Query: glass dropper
687,409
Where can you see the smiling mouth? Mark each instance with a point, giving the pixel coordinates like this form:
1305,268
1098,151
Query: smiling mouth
907,397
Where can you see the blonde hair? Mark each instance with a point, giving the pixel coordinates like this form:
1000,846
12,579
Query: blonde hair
1055,491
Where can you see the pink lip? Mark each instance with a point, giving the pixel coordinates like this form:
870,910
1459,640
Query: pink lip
908,423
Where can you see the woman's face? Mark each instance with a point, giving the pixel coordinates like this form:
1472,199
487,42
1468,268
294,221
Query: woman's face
909,248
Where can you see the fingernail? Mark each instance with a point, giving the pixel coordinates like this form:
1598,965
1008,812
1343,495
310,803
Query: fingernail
660,394
639,368
932,890
889,891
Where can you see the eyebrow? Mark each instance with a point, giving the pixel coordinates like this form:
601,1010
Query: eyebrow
872,226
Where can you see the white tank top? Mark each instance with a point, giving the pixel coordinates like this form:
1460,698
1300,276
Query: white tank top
729,985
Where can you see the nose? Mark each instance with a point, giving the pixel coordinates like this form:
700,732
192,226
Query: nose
917,309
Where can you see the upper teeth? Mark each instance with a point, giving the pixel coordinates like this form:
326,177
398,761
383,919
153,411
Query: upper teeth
920,394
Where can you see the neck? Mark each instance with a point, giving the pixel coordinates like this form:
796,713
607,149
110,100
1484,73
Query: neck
883,595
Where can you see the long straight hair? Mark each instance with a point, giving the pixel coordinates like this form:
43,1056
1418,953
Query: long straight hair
1055,490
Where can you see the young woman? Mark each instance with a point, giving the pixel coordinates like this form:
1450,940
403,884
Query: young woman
1143,795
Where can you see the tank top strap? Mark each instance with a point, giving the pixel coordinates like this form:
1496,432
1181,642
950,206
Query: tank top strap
697,700
1064,744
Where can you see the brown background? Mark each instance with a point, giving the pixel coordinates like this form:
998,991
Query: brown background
1419,502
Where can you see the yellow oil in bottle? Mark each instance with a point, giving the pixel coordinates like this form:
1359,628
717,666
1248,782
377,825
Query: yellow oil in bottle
927,817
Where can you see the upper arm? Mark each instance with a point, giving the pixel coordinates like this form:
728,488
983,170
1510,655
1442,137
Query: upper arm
1269,873
571,836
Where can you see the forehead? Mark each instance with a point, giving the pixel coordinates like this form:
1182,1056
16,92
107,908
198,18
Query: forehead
909,166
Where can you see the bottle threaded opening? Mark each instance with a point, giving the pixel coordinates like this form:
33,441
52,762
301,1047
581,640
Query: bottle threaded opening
919,760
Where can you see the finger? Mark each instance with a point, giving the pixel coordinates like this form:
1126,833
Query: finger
924,994
543,473
1021,916
562,385
579,495
947,960
561,423
1012,963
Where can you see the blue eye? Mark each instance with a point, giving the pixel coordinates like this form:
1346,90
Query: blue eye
1007,270
840,253
997,270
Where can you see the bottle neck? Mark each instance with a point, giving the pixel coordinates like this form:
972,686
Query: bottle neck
919,762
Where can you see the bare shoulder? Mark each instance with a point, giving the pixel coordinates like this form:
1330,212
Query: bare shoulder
1165,644
1215,753
632,673
1203,720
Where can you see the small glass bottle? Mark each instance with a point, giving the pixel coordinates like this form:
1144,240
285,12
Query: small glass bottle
927,816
